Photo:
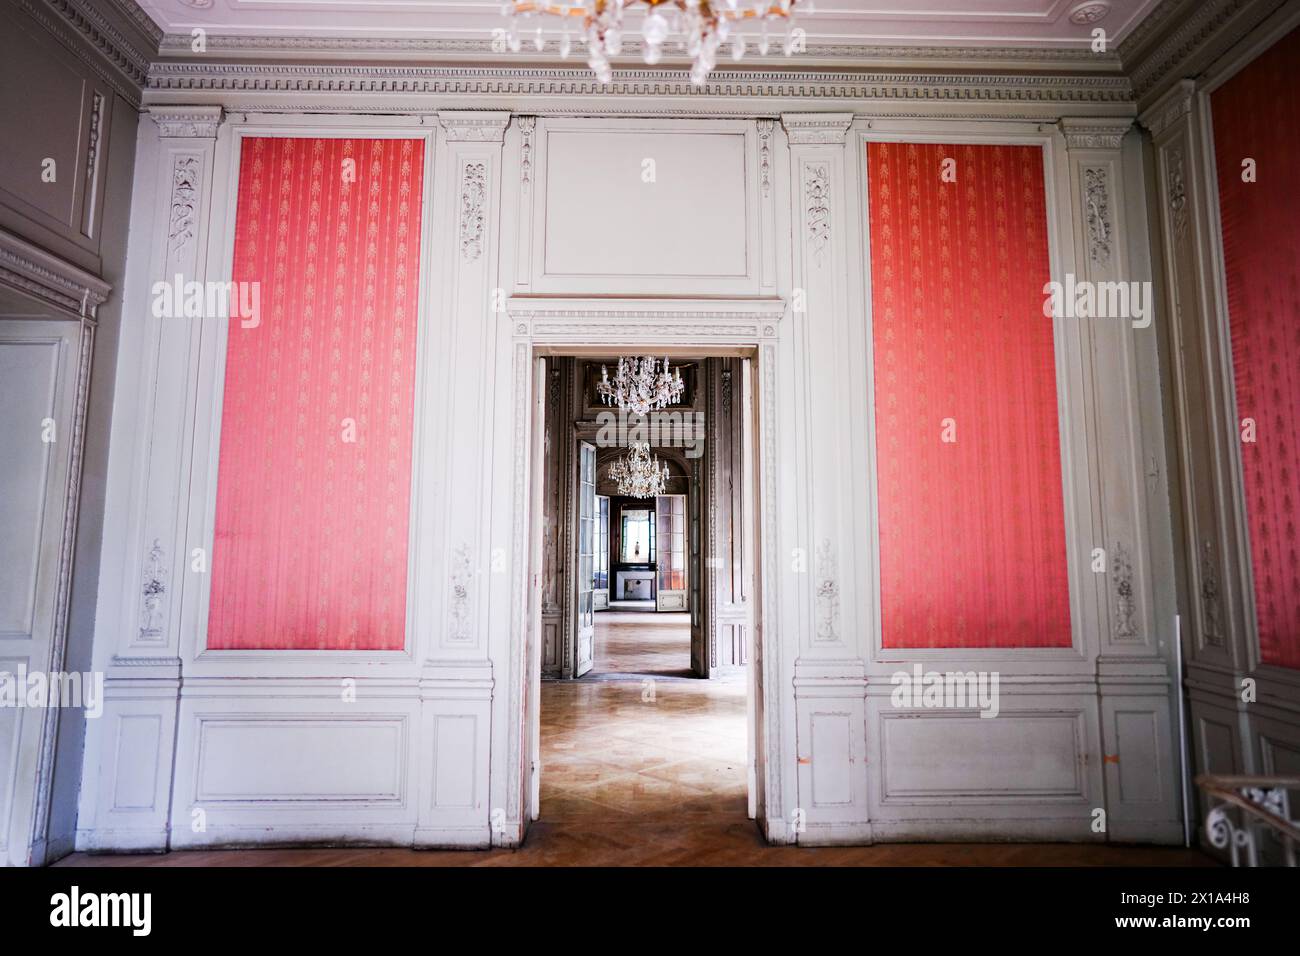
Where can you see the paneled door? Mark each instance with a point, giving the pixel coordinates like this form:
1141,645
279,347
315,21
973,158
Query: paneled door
586,618
600,555
670,515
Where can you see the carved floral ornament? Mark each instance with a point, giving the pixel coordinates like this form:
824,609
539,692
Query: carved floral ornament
1096,199
187,122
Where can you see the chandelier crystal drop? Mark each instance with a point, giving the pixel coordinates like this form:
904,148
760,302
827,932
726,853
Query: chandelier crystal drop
639,474
702,28
640,385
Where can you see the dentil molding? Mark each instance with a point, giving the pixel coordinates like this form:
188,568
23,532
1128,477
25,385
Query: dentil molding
657,83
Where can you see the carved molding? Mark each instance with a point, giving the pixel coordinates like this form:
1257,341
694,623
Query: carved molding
178,44
1094,133
1121,570
153,595
473,192
184,203
1176,188
92,139
519,564
765,127
1199,25
611,311
472,126
806,129
1096,202
526,126
49,279
1211,596
1170,108
645,86
768,634
458,617
817,192
81,25
828,594
187,122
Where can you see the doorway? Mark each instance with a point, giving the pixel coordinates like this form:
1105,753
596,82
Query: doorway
642,726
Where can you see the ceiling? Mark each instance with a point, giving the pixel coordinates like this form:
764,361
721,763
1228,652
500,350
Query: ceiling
1040,24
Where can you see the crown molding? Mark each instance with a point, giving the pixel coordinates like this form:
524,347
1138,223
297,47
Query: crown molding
1089,132
1181,38
49,279
191,122
115,38
479,51
270,87
92,46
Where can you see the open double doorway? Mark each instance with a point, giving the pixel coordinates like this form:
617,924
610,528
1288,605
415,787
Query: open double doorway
647,602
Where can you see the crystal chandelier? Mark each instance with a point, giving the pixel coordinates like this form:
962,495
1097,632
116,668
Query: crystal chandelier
639,474
639,385
701,28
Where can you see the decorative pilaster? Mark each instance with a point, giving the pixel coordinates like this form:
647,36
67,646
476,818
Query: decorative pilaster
466,555
1118,348
1189,237
144,586
829,674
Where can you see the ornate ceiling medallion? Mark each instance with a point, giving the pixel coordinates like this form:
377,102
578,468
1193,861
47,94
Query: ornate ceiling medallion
639,474
700,28
639,385
1089,13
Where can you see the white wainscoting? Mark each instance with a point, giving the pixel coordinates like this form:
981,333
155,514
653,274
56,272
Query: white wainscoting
438,748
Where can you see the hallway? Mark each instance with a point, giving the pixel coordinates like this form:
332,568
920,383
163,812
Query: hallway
635,642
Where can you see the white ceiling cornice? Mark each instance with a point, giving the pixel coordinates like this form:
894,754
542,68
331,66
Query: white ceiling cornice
271,87
1176,39
1183,37
479,51
109,42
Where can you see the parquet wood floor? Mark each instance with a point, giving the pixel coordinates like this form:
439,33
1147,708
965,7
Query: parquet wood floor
633,778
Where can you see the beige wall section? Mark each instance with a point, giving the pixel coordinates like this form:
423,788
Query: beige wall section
68,121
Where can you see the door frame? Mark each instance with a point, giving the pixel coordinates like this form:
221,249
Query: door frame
576,558
746,328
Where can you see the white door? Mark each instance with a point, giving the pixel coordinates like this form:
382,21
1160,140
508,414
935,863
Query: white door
670,552
38,401
586,623
600,592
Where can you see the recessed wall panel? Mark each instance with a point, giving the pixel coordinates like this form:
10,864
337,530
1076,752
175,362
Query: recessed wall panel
645,204
971,510
314,481
1256,118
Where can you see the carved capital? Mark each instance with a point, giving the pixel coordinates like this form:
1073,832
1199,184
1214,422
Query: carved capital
474,126
1170,108
1093,133
188,122
816,128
